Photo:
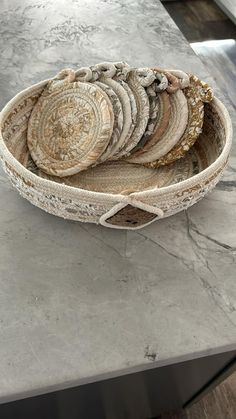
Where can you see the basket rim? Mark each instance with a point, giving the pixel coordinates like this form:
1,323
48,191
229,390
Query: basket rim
47,184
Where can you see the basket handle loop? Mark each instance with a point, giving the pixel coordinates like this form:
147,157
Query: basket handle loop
131,214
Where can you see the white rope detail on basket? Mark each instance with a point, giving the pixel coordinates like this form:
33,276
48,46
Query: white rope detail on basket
131,200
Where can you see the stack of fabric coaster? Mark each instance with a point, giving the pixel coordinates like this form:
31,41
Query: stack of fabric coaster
131,123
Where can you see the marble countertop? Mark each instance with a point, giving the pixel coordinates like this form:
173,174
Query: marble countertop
79,302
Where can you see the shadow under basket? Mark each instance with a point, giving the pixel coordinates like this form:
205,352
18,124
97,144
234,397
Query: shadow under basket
136,196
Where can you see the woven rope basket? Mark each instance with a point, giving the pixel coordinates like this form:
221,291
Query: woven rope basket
117,210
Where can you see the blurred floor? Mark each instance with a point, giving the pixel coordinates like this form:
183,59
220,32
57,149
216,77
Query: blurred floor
220,403
200,20
212,36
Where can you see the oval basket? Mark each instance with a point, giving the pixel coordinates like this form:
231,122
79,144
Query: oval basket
115,210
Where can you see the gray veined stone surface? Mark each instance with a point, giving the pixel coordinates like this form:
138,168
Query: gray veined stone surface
79,302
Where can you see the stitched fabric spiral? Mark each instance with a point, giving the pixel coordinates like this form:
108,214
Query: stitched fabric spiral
114,144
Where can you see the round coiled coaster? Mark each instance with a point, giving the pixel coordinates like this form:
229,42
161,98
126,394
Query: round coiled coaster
118,121
175,128
159,106
157,123
143,112
197,93
126,109
70,126
134,116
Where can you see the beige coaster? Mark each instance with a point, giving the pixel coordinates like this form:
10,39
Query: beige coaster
69,127
197,93
126,109
118,120
134,115
157,124
153,113
143,107
175,129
